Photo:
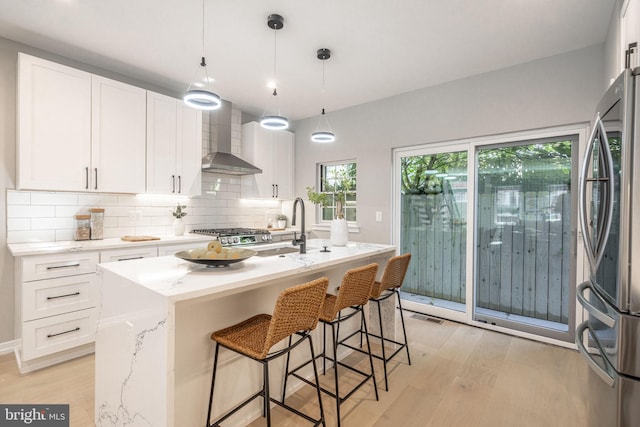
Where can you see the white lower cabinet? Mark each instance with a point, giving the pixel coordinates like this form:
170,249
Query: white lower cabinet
56,300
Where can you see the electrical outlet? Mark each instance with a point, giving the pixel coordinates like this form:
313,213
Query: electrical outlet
379,216
135,216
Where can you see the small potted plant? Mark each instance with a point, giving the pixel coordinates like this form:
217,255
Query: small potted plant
178,224
339,234
282,220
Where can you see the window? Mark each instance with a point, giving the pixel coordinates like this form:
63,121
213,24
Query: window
338,182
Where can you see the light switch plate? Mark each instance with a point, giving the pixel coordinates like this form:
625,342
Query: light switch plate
378,216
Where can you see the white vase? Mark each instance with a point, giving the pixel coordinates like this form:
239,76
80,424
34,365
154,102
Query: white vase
339,232
178,227
282,223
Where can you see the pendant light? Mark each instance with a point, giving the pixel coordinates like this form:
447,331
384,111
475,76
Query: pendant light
202,99
276,121
323,135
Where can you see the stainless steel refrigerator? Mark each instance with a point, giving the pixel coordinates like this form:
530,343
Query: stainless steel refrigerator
610,221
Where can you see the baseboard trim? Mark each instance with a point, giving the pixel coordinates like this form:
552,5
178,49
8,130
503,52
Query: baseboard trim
9,346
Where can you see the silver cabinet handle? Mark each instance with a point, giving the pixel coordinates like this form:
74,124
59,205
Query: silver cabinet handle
173,183
134,257
179,183
95,187
62,333
64,296
86,178
608,379
277,191
593,310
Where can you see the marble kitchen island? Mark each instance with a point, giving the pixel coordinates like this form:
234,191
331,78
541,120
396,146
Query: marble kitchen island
153,352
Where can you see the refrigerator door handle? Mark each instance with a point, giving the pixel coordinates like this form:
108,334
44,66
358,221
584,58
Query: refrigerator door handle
583,199
593,310
603,374
595,252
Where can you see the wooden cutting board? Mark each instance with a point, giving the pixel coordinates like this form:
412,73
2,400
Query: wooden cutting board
139,238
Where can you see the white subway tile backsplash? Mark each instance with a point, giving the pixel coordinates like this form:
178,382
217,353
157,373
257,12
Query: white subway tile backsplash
18,197
18,224
56,199
31,236
52,223
24,211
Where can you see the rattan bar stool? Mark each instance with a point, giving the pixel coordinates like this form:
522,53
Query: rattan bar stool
389,285
296,312
353,294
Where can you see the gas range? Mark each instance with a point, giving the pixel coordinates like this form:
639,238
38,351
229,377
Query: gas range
237,236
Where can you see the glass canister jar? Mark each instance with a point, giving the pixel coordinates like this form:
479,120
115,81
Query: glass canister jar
97,223
82,227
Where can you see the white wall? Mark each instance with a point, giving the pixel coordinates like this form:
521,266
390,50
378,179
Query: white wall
554,91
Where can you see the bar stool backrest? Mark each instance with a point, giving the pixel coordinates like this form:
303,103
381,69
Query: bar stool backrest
356,287
393,274
297,309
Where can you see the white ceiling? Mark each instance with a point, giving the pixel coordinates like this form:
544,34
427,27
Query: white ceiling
380,47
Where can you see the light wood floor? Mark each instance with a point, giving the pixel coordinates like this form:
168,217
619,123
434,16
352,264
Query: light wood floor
460,376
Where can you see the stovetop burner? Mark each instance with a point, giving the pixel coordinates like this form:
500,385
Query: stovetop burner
237,236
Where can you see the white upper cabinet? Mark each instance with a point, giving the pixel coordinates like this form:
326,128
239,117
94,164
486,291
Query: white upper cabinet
78,131
174,146
273,152
54,126
118,137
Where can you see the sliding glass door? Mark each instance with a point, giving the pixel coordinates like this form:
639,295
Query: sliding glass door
433,226
491,229
524,245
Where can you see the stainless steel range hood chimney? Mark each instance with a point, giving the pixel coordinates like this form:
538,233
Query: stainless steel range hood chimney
222,161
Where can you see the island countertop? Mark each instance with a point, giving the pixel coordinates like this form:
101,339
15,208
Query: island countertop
153,349
179,280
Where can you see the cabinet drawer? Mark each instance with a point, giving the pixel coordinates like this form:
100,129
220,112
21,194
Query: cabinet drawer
44,298
52,266
128,253
52,334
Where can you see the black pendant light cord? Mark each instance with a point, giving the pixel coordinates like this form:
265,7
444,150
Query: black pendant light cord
275,50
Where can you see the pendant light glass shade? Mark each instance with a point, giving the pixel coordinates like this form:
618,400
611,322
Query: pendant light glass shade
323,136
202,98
274,121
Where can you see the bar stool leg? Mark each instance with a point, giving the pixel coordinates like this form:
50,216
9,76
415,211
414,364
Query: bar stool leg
334,341
373,374
267,401
213,381
404,330
384,355
315,375
324,349
286,372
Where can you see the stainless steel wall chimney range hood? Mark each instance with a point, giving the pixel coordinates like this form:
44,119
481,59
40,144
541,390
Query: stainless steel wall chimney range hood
222,161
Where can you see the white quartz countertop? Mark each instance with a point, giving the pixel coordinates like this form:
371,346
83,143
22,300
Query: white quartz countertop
179,280
43,248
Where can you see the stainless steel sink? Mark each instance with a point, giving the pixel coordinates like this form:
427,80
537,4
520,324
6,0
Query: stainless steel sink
277,251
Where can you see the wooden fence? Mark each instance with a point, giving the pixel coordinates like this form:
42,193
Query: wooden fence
523,267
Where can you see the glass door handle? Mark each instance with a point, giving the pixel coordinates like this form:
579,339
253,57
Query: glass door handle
606,377
593,310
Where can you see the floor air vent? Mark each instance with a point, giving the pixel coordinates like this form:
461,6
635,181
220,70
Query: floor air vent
427,318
